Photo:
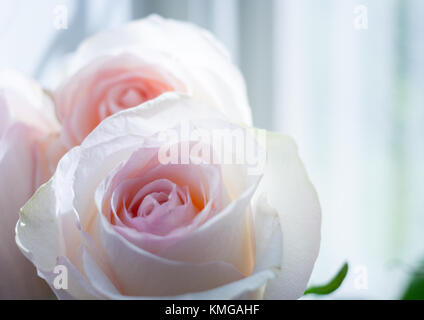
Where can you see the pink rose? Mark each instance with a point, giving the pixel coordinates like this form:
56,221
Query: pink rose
126,224
28,133
125,67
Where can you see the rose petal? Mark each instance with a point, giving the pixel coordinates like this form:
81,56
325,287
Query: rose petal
268,235
290,192
18,278
27,102
78,286
38,231
158,276
227,233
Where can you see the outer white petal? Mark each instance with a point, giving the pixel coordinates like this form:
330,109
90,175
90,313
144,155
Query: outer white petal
206,63
268,235
290,192
78,286
174,276
251,287
38,232
141,273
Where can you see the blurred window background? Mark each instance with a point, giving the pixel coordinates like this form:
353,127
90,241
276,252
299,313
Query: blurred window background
345,78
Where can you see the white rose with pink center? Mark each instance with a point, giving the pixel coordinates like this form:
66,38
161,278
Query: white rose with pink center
128,225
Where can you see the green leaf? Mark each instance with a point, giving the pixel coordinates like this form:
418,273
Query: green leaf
415,288
331,286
